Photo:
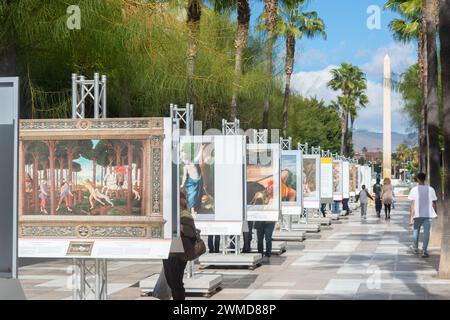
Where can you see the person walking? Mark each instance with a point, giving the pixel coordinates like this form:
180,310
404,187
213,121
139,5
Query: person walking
423,209
364,197
387,195
174,266
377,187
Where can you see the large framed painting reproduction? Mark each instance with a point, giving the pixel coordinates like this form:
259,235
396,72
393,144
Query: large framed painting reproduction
263,182
345,179
360,177
337,180
353,177
311,181
291,182
326,180
211,182
94,188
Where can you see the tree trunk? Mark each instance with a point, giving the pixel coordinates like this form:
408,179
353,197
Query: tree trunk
444,35
424,165
130,179
343,132
194,11
51,158
271,21
434,149
240,43
290,53
35,156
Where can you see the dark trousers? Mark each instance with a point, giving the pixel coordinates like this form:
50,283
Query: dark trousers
345,206
265,230
323,207
214,244
248,238
378,206
387,210
174,272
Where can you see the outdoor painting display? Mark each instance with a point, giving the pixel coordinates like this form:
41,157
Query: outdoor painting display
263,182
345,179
85,183
211,179
326,180
353,179
337,180
291,182
311,181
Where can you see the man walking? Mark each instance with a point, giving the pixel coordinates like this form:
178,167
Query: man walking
423,210
377,192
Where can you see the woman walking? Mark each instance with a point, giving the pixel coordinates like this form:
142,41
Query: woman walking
387,196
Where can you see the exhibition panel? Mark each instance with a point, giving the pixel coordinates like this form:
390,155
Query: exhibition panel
94,188
345,179
311,181
326,180
337,180
291,182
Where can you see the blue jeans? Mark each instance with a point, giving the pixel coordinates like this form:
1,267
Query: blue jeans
336,207
265,230
418,223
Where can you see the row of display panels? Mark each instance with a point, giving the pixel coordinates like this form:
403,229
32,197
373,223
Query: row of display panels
111,188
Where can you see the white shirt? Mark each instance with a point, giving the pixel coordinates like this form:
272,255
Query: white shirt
423,197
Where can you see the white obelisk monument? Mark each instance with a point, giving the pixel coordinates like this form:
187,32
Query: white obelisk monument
387,140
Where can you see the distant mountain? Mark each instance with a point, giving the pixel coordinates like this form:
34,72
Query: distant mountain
373,141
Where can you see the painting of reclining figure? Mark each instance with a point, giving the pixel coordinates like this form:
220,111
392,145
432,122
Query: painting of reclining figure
83,177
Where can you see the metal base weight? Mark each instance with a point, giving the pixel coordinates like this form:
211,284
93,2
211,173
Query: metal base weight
278,247
205,284
288,236
250,260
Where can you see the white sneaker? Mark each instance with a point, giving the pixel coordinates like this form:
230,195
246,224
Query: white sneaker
413,249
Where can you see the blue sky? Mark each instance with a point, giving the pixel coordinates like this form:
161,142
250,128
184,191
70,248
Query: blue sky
349,40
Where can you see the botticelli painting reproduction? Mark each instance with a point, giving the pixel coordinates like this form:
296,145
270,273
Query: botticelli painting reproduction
90,179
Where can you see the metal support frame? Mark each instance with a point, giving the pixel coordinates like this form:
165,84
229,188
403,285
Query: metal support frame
286,144
232,243
90,276
185,115
86,92
230,128
261,136
303,147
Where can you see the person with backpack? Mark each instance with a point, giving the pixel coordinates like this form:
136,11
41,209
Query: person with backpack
364,197
377,187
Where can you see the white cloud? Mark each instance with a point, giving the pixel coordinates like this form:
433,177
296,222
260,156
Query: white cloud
402,56
314,84
311,57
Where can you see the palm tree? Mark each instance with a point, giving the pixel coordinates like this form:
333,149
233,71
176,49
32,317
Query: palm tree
270,17
429,11
405,30
194,12
294,23
240,41
444,34
351,82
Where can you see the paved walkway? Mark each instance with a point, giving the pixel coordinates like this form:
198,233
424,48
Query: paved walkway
349,260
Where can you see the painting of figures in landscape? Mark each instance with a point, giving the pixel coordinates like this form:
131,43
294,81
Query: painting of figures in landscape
337,176
309,178
197,177
83,177
288,178
260,179
352,178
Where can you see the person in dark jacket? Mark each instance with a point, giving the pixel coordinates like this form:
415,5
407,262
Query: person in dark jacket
377,192
174,266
